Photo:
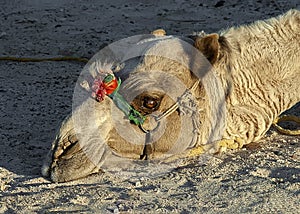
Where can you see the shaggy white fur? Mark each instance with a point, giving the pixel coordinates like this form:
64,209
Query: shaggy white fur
264,65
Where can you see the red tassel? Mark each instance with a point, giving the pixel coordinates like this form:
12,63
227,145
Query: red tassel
101,89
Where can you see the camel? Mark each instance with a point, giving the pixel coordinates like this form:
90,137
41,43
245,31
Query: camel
182,96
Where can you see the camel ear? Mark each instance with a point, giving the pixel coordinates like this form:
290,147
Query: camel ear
209,46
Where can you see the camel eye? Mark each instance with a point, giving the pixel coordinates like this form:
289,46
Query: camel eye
150,103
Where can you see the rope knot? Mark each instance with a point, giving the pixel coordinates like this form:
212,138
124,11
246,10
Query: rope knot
187,104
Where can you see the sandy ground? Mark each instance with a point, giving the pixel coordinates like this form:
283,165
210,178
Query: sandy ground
35,97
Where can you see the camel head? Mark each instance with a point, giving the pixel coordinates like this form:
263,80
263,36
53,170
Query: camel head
146,98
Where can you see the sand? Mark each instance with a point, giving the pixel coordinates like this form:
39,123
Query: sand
35,97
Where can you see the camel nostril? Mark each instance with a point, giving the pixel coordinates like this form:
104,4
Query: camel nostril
64,145
73,138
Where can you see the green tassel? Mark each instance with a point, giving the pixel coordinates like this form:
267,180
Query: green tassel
133,115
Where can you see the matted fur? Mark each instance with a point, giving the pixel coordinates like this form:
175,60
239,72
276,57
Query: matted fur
259,67
263,61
